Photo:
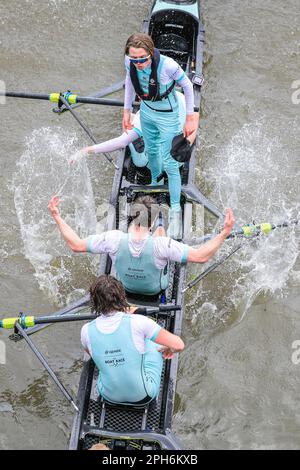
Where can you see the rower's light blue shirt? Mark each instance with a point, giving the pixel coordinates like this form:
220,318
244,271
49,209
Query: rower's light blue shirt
164,248
139,274
125,375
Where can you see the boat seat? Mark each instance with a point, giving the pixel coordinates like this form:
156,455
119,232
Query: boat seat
131,406
143,300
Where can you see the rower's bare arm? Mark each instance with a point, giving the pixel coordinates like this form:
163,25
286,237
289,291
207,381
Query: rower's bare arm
89,150
71,238
192,137
206,251
171,341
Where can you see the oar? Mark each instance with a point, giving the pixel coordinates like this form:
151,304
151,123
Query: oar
254,230
70,97
247,231
27,321
87,130
211,268
43,361
74,307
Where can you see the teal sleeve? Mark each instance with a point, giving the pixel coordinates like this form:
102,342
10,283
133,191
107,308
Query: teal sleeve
155,334
180,78
89,244
185,254
138,131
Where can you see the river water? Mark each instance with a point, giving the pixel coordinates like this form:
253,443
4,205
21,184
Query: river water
238,384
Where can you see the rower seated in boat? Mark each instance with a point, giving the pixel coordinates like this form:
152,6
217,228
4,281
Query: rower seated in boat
125,346
141,259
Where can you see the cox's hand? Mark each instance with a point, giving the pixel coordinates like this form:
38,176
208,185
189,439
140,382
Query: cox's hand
228,222
127,126
190,125
192,137
53,206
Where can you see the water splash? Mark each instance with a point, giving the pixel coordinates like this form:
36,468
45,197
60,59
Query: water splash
42,172
251,175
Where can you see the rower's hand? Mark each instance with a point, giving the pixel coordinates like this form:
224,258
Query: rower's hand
53,206
190,126
192,137
78,156
127,126
132,309
167,353
228,222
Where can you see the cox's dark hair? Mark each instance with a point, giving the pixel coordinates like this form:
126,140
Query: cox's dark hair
107,295
140,40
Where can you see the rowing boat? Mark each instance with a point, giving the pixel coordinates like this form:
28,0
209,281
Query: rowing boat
177,31
176,28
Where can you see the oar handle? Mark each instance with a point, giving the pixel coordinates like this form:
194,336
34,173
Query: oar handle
163,309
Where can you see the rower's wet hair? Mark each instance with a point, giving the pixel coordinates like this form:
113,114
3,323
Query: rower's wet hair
107,295
140,40
143,211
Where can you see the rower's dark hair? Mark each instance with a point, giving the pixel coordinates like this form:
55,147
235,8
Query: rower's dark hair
143,211
140,40
108,295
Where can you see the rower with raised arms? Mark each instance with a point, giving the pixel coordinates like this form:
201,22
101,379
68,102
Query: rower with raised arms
140,259
127,348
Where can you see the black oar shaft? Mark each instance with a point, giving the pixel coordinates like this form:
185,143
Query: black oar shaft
101,94
162,309
86,129
26,321
62,319
43,361
90,100
79,304
79,99
210,269
31,96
